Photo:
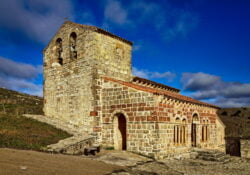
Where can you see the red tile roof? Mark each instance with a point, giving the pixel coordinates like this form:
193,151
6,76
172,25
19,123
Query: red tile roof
146,81
160,92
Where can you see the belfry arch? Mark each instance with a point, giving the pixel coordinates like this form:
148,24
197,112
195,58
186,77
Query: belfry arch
59,51
73,46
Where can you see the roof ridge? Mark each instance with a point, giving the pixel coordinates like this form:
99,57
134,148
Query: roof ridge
92,28
156,91
100,30
156,83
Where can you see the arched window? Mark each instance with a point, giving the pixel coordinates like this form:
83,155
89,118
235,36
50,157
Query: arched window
177,120
59,51
195,117
72,45
180,131
204,131
119,52
184,130
176,130
195,122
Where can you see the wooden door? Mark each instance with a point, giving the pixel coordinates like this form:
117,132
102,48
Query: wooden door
193,134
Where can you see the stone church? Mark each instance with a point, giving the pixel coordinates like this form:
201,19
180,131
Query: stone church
88,84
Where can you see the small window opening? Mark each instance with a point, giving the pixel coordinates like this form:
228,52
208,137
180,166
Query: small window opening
73,46
179,132
59,51
204,133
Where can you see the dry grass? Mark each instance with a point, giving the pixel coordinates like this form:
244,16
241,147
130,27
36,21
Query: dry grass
19,132
23,133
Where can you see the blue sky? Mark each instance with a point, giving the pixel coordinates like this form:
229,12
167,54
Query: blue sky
198,46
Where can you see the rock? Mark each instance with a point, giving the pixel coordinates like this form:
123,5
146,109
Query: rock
194,155
23,167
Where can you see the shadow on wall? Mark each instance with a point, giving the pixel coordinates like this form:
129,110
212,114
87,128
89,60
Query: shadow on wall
233,146
237,121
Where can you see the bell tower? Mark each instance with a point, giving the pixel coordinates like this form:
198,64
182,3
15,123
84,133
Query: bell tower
74,62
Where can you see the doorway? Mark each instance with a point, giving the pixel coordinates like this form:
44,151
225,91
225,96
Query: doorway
195,121
193,135
120,132
233,146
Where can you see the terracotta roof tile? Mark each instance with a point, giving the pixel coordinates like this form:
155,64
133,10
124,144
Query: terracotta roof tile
155,83
160,92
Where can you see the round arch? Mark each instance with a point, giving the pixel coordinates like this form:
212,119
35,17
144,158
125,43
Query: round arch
73,45
195,118
194,128
59,51
119,112
120,130
177,120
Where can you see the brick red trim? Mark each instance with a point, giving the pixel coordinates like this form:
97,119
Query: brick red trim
155,83
160,92
97,129
93,113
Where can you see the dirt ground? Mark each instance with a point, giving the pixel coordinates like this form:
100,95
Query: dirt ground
22,162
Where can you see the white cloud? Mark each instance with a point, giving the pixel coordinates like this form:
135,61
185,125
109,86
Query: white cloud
233,102
137,47
20,76
140,73
169,21
185,22
169,76
86,17
21,85
210,87
115,13
198,81
234,89
147,10
19,70
36,19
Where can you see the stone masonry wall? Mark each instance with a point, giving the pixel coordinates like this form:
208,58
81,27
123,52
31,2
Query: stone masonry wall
245,148
114,58
76,92
220,134
168,110
237,132
137,107
68,88
71,88
151,120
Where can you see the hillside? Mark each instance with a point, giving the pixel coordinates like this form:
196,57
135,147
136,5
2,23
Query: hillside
19,103
17,131
237,121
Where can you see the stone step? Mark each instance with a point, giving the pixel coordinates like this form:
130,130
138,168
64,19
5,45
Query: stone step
73,145
79,143
209,155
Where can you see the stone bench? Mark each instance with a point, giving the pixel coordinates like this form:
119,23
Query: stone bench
91,150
